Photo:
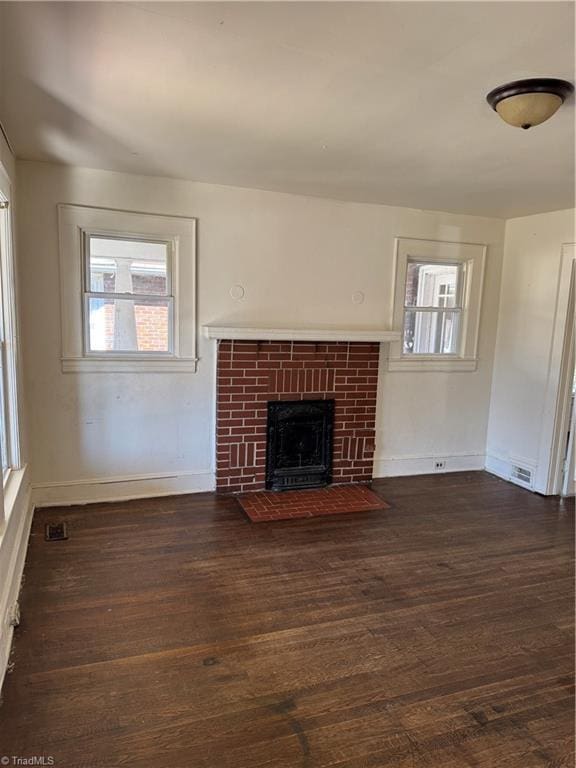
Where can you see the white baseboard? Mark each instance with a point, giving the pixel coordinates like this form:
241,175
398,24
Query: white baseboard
397,466
13,546
498,466
121,488
501,466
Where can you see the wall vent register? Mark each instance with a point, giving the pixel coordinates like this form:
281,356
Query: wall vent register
56,532
521,476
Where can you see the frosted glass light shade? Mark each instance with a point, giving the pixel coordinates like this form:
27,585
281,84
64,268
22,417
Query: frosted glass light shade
528,109
524,103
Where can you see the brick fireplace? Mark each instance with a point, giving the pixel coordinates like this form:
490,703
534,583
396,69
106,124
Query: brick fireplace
252,373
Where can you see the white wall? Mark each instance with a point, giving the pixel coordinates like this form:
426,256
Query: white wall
299,260
525,334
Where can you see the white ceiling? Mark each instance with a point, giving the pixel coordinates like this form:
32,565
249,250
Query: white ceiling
374,102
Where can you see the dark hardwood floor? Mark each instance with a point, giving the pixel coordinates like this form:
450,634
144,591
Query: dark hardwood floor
173,633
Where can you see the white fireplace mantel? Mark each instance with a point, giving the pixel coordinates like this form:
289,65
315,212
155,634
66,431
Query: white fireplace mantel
298,333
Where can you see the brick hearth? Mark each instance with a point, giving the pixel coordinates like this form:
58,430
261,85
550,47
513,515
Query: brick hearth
266,506
252,373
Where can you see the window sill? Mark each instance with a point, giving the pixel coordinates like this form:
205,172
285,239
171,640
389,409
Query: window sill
432,363
14,482
124,365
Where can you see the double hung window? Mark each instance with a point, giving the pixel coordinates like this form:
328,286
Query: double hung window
437,304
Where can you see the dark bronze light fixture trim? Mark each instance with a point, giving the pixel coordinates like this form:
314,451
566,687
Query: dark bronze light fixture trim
524,103
560,88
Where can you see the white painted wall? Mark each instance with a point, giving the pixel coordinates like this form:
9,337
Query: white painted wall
299,260
530,282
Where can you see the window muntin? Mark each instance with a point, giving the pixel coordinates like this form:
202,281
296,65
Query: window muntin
432,308
128,299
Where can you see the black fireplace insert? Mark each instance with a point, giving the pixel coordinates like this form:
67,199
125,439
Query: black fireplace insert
299,444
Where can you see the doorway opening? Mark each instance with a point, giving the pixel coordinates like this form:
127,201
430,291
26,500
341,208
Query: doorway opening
560,459
569,464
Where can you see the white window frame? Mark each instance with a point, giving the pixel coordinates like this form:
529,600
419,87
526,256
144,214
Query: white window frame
470,257
76,225
440,309
170,296
9,331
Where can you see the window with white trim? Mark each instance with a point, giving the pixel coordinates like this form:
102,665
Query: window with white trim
438,291
128,291
128,296
9,427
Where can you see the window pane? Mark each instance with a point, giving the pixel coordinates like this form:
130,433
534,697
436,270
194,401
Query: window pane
4,388
431,285
128,266
3,420
129,325
431,333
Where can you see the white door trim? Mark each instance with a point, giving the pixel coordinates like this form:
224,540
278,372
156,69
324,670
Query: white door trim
568,477
560,370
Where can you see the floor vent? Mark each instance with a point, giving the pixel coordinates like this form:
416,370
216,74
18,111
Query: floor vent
56,532
522,476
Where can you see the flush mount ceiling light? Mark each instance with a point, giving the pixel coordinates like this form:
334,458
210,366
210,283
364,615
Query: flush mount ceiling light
524,103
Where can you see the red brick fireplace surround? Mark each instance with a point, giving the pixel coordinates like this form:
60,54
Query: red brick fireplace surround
250,373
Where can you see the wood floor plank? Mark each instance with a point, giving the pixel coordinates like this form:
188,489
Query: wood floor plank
171,632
